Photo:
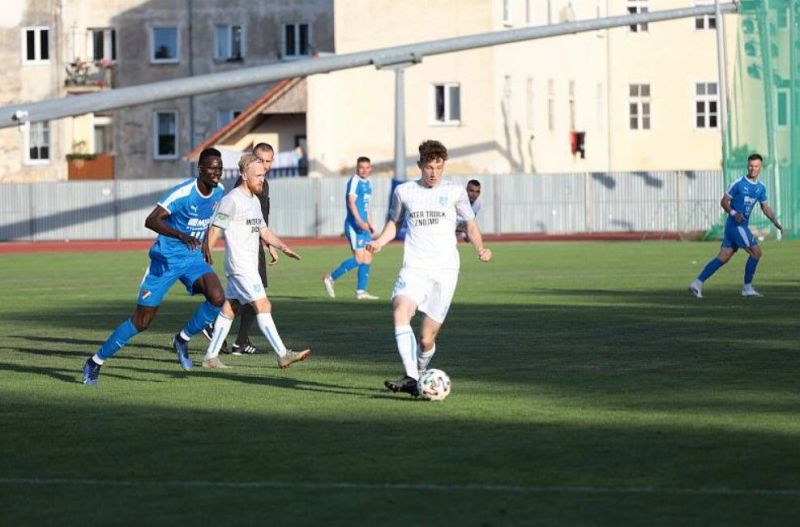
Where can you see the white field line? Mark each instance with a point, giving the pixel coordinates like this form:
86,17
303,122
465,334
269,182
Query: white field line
427,487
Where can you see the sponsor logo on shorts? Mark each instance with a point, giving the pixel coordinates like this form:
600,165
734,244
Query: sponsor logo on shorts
146,294
400,284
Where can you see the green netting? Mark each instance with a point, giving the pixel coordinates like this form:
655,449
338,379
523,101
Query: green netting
764,104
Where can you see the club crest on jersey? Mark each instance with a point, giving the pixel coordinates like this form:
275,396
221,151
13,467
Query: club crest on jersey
443,200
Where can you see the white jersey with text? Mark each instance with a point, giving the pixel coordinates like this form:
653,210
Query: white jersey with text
239,215
431,215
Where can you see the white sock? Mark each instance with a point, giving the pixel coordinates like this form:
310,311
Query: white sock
407,347
97,359
425,358
267,327
221,328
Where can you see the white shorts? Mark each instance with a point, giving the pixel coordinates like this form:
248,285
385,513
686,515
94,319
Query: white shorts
431,290
245,288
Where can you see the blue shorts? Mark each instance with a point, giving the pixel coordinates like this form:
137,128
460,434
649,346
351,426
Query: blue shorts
161,274
738,237
358,239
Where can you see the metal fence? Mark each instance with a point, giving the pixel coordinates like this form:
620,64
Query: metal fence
675,201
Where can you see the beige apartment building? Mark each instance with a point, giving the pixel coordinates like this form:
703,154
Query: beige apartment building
626,99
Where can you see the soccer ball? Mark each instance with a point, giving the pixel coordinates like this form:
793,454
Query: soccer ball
434,385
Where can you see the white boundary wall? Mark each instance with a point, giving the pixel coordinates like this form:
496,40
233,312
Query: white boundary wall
673,201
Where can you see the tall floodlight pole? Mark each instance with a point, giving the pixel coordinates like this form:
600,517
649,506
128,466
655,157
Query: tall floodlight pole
723,81
399,123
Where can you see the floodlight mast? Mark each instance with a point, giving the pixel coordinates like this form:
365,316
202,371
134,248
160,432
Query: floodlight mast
13,115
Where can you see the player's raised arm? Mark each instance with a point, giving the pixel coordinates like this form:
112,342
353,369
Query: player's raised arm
155,222
274,241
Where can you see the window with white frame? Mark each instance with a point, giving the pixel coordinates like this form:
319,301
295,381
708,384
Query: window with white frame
705,21
782,106
35,45
706,105
228,42
164,44
571,100
636,7
530,116
506,12
296,41
226,116
165,135
102,44
639,106
551,104
782,18
446,103
37,143
103,134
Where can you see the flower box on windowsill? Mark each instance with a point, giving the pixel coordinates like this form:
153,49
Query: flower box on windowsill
90,166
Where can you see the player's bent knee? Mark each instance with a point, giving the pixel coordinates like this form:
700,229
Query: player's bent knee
427,342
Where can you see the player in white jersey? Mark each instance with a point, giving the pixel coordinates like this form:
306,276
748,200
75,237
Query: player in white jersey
427,280
239,216
473,193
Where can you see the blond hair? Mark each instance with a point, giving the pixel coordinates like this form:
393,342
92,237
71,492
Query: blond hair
245,161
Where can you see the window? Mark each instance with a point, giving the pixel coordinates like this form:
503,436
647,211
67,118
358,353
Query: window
102,44
228,42
551,105
37,143
782,108
165,131
103,136
782,17
636,7
226,116
35,45
705,21
571,105
296,41
506,12
639,106
165,46
706,105
507,92
446,103
529,113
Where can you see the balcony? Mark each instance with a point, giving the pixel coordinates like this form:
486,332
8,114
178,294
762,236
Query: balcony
86,77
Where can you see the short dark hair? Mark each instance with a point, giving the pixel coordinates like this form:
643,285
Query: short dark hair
363,159
432,150
263,147
208,152
754,156
474,182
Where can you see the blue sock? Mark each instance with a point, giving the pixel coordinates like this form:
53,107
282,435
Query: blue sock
204,315
118,338
363,277
711,268
344,267
750,270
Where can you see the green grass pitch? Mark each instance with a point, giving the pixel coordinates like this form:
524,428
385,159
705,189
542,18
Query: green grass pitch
589,388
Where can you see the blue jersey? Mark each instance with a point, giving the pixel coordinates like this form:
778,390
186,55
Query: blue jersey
189,212
744,194
362,190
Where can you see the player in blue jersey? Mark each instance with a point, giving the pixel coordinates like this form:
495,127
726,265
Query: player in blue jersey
738,202
181,220
358,230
